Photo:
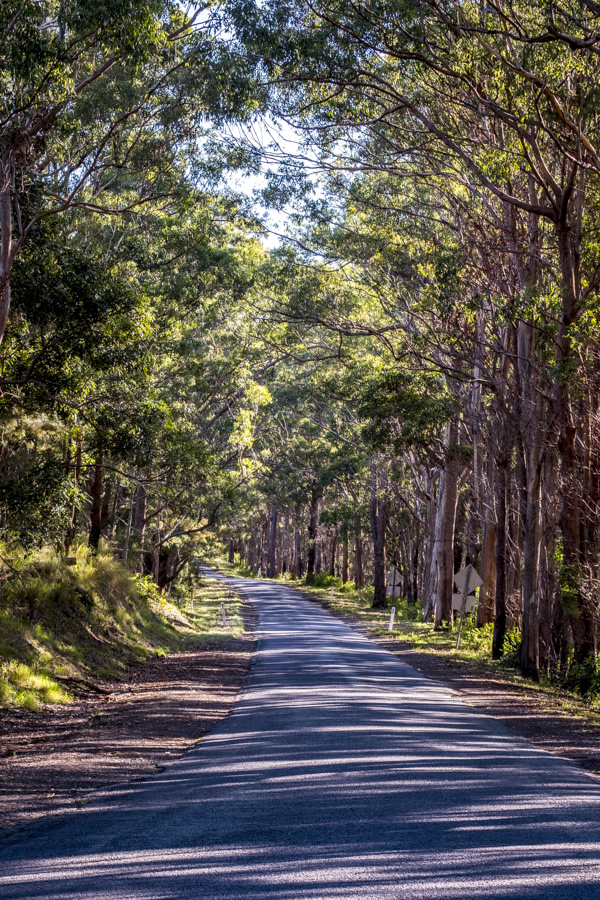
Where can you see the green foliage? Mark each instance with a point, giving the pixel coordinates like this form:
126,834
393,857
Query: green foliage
92,620
403,410
37,497
20,685
321,580
570,588
584,678
511,652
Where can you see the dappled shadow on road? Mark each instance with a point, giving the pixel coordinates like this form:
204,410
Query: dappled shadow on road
341,773
51,760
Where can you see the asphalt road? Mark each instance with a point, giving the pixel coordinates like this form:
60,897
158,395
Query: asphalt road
340,773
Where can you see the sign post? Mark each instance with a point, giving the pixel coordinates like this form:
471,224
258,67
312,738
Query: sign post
467,579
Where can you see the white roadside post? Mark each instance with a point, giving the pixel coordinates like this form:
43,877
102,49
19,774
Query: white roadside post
223,616
392,584
331,595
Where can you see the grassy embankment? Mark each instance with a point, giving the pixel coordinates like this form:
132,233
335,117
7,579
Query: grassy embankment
62,626
473,655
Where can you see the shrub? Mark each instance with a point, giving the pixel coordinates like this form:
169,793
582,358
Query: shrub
325,581
511,651
584,678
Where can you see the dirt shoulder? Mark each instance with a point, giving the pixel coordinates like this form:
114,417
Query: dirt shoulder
53,760
548,721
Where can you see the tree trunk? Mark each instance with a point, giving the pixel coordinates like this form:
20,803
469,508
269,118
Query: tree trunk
96,497
285,556
332,553
129,528
441,576
358,560
377,517
272,566
231,551
345,556
318,555
139,520
105,512
500,616
72,530
113,513
415,565
297,552
313,524
6,235
530,646
487,591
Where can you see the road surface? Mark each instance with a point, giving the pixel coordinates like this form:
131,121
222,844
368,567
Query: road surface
341,773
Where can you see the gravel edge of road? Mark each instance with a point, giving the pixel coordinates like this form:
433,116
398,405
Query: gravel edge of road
21,808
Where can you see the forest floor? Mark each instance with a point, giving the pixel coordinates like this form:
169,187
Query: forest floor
53,759
550,719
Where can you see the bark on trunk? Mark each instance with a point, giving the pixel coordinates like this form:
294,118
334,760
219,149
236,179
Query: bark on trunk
96,498
345,556
333,549
358,560
113,513
500,616
441,577
139,521
487,591
285,557
313,524
377,517
72,530
272,567
530,646
105,512
6,236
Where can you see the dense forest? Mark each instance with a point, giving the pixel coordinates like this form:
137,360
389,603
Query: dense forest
408,376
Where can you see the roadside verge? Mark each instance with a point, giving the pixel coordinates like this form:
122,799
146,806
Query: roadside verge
558,724
54,759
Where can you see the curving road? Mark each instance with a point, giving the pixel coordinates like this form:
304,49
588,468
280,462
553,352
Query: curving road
340,773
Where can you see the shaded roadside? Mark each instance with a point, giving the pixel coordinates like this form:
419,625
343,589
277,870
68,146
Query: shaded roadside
53,760
538,715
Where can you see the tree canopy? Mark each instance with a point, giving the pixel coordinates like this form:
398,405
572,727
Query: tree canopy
409,378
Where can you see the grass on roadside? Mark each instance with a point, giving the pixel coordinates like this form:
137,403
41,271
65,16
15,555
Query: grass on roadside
61,625
203,610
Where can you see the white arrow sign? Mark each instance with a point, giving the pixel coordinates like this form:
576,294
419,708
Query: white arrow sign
460,579
393,584
457,600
